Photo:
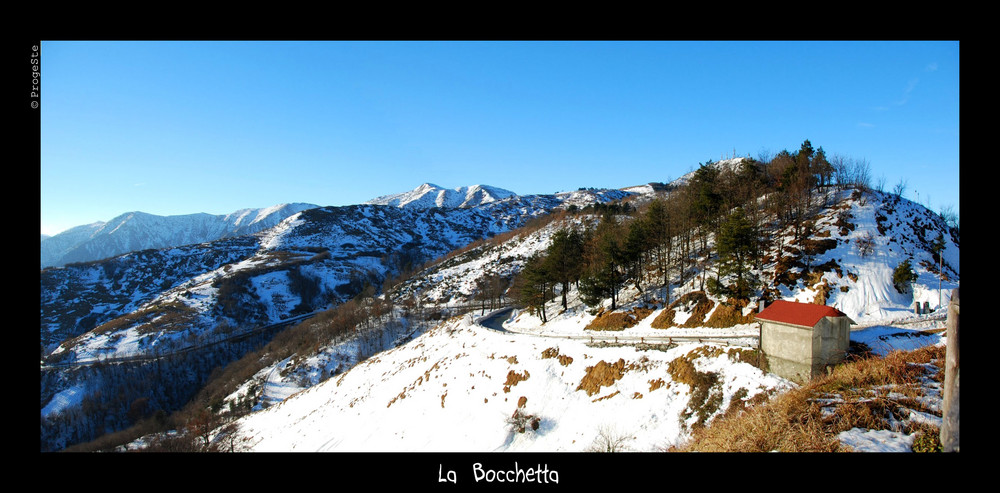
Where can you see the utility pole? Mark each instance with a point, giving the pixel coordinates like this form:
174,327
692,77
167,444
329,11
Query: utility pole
940,274
950,422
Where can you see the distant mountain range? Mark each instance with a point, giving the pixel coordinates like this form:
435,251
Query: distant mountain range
135,231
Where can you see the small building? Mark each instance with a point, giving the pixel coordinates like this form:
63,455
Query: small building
801,339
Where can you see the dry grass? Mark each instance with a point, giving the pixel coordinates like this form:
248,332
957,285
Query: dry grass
871,393
664,320
727,315
513,378
619,320
553,352
600,375
696,301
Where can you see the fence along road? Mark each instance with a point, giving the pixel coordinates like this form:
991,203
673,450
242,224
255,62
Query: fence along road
494,320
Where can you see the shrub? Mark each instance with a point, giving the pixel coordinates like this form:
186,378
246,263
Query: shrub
903,276
521,421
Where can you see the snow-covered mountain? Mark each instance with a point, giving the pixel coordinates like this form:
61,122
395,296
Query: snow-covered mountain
134,231
429,195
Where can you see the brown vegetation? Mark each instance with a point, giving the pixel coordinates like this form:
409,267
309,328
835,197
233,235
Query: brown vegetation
701,306
554,353
869,392
601,375
726,315
619,320
513,378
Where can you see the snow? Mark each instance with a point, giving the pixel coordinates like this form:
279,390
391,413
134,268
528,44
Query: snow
448,391
445,391
67,398
429,195
864,440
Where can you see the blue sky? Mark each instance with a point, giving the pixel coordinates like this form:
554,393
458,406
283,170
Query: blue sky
185,127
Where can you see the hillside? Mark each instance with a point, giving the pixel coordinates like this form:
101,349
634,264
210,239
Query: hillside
427,391
330,263
167,302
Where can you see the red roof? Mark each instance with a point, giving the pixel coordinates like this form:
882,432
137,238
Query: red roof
805,314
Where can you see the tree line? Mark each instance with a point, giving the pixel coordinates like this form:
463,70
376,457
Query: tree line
668,241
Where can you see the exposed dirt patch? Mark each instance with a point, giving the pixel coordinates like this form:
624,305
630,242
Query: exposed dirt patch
822,292
706,389
811,246
600,375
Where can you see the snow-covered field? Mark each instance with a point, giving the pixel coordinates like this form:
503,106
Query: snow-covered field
456,387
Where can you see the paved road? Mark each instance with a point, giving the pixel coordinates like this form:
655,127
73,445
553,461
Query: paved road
496,319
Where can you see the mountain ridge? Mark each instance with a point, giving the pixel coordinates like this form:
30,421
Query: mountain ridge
137,230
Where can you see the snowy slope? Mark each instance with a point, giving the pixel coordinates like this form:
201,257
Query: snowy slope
456,388
445,390
861,285
453,389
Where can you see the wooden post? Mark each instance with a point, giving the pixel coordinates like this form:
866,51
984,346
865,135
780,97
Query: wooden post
949,418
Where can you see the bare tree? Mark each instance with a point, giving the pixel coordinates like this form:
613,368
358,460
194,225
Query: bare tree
880,184
609,439
866,243
861,174
900,188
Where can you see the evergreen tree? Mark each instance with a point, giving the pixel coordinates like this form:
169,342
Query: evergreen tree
903,276
736,242
633,251
565,259
532,285
604,254
658,235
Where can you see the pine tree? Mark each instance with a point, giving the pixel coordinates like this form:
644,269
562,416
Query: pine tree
604,254
903,276
533,283
564,259
736,242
